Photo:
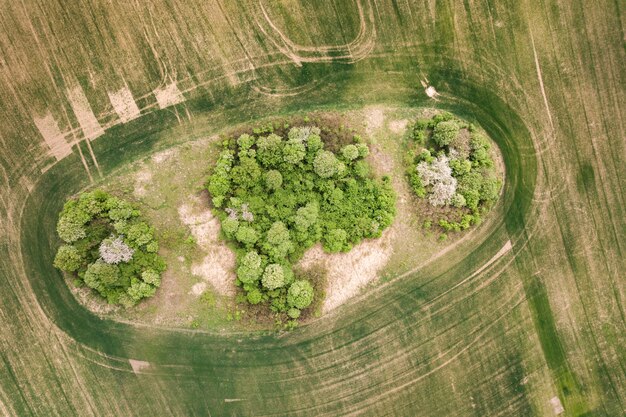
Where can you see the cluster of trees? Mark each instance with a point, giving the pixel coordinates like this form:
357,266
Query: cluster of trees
450,164
278,196
109,247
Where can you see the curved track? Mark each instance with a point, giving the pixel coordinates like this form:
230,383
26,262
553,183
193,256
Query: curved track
481,330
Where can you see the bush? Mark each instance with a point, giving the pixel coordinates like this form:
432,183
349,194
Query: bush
300,294
273,277
445,132
314,196
326,164
68,258
273,179
452,178
109,248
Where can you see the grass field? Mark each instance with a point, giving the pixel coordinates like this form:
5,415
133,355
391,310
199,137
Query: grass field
88,87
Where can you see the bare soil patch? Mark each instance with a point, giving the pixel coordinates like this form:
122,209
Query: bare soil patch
168,95
348,273
398,126
124,104
87,120
218,265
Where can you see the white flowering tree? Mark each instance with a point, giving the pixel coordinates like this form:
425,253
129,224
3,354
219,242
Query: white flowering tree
114,251
438,175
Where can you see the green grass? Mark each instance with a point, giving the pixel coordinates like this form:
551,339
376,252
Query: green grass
542,321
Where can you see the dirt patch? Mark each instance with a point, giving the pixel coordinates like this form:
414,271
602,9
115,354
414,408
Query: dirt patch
168,95
142,178
84,114
374,117
160,157
198,288
53,136
217,267
349,272
124,105
398,126
139,366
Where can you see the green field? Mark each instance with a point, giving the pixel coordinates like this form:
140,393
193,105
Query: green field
481,331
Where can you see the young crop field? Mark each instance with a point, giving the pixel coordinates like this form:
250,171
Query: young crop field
523,314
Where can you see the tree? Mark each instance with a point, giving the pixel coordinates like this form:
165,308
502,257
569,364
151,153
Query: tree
114,251
306,216
457,200
245,142
254,296
300,294
103,277
273,277
277,243
350,152
139,234
71,229
139,289
438,175
363,150
250,268
445,132
269,150
68,258
335,240
294,151
230,226
247,173
273,179
246,235
326,164
151,277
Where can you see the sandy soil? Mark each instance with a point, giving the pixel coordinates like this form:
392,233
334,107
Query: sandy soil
142,178
168,95
138,366
398,126
217,267
374,117
124,104
163,156
349,272
53,137
87,120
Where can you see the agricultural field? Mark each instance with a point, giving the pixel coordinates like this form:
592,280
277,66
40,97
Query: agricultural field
520,315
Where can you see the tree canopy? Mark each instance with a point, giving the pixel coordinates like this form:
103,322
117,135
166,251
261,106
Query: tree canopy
451,166
278,195
109,247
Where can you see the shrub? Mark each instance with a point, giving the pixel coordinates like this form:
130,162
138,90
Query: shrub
273,179
112,250
350,152
315,196
300,294
68,258
445,132
326,164
273,277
